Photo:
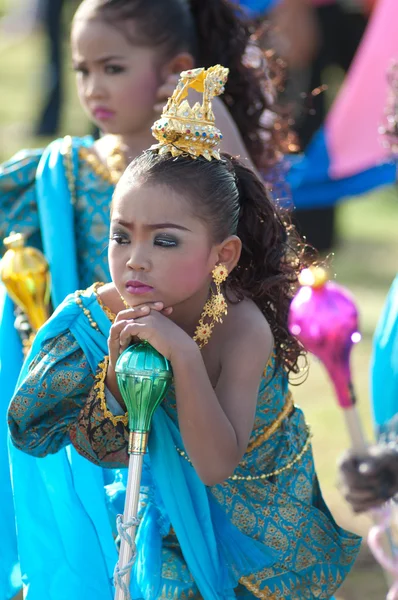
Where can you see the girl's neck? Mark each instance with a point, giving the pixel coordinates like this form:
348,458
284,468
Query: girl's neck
132,145
187,314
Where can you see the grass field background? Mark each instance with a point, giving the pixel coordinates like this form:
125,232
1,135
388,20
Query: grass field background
366,260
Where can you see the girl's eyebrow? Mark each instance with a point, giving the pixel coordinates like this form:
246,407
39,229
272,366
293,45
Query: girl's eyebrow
104,59
153,226
167,226
100,60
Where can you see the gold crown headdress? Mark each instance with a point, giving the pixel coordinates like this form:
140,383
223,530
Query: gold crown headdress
185,130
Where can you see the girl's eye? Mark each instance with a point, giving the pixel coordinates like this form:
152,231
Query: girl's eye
114,69
120,238
165,241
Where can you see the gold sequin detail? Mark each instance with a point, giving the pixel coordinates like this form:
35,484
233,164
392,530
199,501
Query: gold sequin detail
255,590
111,316
99,387
268,431
66,151
271,358
116,163
263,476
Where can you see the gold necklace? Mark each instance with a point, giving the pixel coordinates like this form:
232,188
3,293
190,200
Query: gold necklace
116,162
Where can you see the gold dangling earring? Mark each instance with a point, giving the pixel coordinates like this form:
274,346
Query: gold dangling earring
214,309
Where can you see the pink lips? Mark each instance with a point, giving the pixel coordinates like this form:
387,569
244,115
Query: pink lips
103,114
138,288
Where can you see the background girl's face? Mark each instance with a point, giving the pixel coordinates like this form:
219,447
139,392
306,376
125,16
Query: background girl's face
117,81
158,250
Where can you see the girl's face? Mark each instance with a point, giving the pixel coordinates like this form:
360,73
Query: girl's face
117,81
158,250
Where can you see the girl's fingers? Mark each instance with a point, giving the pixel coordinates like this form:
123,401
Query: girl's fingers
132,313
117,327
126,323
128,333
114,343
139,311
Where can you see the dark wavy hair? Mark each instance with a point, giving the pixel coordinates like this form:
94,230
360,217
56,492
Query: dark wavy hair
214,32
230,199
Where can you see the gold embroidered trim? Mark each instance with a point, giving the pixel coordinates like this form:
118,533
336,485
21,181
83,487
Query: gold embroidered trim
270,430
99,387
289,465
111,316
263,476
255,590
269,362
66,151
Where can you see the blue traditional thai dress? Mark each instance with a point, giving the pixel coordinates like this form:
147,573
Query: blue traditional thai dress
263,533
56,199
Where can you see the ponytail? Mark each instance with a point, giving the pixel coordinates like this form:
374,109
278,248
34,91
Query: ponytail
225,37
271,259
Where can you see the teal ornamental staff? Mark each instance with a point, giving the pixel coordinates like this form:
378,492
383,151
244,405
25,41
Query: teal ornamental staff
143,376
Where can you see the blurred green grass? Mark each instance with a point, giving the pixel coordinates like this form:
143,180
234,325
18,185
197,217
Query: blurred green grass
366,260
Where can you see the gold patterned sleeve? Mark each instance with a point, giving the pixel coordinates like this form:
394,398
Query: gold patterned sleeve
18,202
98,434
61,401
50,397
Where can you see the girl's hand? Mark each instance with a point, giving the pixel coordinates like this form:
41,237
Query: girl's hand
165,91
369,479
164,335
122,319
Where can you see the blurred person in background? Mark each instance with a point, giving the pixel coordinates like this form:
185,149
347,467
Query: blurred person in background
345,158
125,54
311,36
363,132
332,31
370,478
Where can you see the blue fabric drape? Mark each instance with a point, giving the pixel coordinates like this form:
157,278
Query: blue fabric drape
68,487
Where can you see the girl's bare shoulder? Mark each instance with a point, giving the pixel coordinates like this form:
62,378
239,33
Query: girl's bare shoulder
246,323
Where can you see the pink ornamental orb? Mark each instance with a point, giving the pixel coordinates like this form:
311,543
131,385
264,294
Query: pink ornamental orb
324,318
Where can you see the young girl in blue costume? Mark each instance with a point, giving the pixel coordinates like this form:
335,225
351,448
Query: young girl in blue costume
124,53
230,504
